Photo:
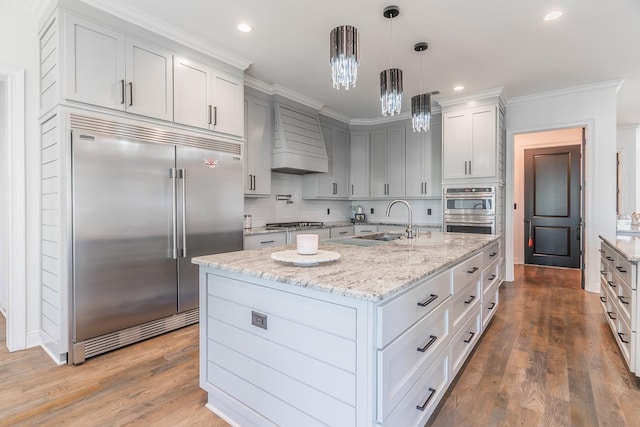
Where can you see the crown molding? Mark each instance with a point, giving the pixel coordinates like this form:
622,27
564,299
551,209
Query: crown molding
617,84
630,126
326,111
169,31
279,90
473,96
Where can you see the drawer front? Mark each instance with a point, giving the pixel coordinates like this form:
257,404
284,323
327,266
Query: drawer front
490,301
341,231
365,229
467,271
464,341
624,300
323,234
604,292
267,240
626,271
607,253
491,253
397,315
403,361
420,402
464,303
625,338
611,308
490,275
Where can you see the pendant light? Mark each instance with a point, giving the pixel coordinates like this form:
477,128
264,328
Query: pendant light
391,79
421,104
344,56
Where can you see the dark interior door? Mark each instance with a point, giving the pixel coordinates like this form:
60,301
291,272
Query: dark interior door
552,206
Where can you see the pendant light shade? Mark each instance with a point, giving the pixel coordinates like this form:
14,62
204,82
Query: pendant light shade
391,79
344,54
421,112
421,104
391,91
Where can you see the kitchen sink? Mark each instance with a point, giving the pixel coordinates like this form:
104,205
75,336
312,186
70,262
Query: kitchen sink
385,237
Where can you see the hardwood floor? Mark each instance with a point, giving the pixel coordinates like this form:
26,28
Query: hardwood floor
547,359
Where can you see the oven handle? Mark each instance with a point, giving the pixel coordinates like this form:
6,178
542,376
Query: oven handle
488,222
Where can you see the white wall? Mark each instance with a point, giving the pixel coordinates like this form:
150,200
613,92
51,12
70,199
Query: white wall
4,202
593,107
522,142
628,145
19,48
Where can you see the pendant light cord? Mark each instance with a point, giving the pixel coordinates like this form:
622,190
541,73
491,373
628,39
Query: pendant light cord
391,41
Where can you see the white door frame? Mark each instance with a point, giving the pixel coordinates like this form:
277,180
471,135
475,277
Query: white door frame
13,177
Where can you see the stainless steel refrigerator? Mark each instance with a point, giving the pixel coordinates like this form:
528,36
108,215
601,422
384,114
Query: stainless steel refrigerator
145,201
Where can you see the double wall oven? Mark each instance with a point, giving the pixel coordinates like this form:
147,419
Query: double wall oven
469,209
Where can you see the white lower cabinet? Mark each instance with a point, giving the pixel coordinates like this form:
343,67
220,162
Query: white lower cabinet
323,234
275,354
345,231
266,240
360,229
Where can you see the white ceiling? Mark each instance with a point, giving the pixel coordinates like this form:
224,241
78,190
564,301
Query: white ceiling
479,44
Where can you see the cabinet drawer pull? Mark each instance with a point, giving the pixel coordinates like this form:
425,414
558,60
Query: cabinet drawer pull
432,339
621,334
473,270
267,241
492,254
493,304
490,278
471,334
428,301
601,251
610,282
621,269
611,315
608,258
621,298
471,298
343,232
432,392
603,299
603,272
366,231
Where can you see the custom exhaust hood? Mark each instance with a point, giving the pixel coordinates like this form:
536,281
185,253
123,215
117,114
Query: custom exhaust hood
298,146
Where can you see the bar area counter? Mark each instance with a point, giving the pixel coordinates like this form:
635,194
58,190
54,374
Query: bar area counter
373,337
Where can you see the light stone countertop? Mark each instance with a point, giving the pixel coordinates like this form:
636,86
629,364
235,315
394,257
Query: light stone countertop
370,273
263,230
629,246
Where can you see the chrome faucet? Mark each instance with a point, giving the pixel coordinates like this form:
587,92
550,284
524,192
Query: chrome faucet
410,232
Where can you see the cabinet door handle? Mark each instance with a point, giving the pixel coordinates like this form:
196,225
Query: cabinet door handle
215,116
493,304
621,298
121,91
490,278
469,167
432,392
608,258
130,94
428,301
352,189
210,114
254,182
471,298
473,270
468,340
611,284
492,254
621,334
603,299
267,241
465,167
611,316
432,339
620,269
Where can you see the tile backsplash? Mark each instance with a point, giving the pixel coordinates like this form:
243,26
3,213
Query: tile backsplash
268,209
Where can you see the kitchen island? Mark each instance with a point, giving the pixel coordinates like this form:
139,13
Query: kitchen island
373,338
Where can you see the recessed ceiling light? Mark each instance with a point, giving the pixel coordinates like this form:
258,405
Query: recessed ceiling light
245,28
458,88
552,16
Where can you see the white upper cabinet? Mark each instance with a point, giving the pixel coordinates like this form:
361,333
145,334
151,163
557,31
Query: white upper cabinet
470,143
388,162
423,162
108,69
257,154
207,98
335,183
359,165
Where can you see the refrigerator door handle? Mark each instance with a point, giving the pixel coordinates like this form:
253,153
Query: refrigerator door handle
174,220
183,175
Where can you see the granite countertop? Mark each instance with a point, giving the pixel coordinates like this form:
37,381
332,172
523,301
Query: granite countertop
370,273
263,230
629,246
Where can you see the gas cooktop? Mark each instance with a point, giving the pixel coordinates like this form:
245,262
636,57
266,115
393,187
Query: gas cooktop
293,224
